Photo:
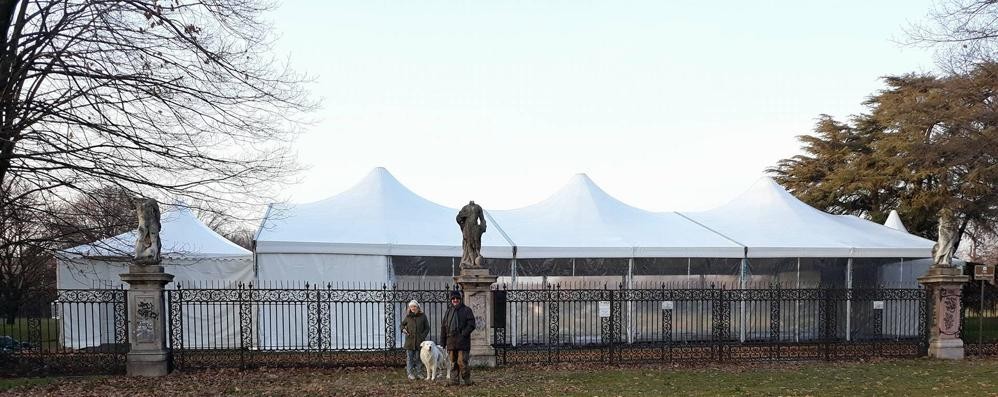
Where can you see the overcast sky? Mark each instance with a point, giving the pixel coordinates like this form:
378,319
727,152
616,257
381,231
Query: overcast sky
667,105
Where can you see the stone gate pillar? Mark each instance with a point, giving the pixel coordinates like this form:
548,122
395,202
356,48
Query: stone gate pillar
944,285
477,286
147,320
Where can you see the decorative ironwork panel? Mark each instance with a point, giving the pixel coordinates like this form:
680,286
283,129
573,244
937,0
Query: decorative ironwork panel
667,325
554,322
389,305
246,323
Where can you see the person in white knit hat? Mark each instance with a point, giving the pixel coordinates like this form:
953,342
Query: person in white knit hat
416,328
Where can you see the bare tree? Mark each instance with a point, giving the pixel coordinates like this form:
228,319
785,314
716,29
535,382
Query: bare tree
105,100
227,226
25,262
105,212
170,99
965,33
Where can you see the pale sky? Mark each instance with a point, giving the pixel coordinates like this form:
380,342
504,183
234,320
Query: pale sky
667,105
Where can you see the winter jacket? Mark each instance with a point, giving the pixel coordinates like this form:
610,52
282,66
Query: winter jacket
457,338
418,328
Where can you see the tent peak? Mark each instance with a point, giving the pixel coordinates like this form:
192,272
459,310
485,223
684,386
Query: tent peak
379,173
894,222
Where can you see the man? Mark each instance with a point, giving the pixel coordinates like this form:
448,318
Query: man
455,336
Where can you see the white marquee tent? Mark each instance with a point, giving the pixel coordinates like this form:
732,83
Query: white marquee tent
379,231
353,236
191,251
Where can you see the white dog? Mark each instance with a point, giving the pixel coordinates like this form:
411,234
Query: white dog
435,359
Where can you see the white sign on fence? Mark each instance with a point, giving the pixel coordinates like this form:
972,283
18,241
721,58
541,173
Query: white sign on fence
604,308
878,305
667,305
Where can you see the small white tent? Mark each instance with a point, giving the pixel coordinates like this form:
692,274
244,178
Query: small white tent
191,251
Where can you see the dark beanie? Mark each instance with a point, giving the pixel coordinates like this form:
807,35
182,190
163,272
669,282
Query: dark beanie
455,294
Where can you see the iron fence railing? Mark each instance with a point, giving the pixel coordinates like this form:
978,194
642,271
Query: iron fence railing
552,324
75,332
979,325
318,325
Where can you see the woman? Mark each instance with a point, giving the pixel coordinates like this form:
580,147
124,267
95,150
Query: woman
416,328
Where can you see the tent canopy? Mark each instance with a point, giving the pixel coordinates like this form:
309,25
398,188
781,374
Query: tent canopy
773,223
182,235
581,220
380,216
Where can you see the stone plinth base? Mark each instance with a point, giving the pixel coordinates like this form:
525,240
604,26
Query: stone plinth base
483,360
948,349
147,364
477,286
147,325
945,285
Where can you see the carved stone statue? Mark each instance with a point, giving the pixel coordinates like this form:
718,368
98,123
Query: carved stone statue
942,252
471,218
147,243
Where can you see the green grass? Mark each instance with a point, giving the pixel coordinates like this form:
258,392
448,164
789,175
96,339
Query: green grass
972,328
909,378
20,330
6,384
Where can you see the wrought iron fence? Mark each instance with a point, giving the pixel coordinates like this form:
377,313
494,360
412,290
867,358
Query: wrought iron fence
78,332
313,325
551,324
979,327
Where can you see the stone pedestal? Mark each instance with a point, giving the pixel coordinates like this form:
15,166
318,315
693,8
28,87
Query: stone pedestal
477,286
147,325
944,285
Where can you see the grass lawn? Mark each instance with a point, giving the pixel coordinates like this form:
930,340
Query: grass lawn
19,330
972,327
921,377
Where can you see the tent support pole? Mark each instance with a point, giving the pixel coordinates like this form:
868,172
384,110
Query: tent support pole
630,307
513,308
849,300
797,307
741,285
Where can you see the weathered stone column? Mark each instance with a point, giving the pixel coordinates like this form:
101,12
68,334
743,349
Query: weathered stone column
147,325
944,285
477,286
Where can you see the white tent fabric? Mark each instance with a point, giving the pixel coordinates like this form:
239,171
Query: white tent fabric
182,236
773,223
191,251
359,271
378,216
894,222
582,221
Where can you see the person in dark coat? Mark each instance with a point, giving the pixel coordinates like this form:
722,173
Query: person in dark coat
455,335
416,328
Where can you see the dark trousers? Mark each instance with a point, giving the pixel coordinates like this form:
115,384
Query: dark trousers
459,365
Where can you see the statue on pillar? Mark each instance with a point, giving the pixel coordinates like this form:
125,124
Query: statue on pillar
147,354
942,251
147,243
471,219
944,283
